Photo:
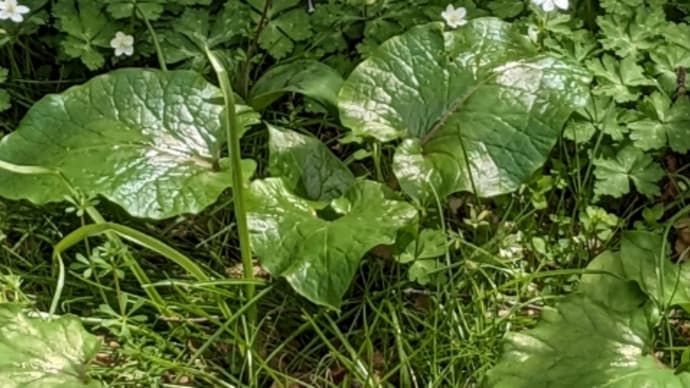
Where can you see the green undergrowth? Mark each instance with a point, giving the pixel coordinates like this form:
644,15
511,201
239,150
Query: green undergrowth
344,193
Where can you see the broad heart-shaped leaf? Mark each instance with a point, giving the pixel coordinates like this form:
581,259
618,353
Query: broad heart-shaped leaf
308,77
145,139
663,281
39,353
307,166
600,336
477,108
318,256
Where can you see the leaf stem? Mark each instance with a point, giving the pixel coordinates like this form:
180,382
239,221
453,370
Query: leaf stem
377,161
232,132
154,37
252,47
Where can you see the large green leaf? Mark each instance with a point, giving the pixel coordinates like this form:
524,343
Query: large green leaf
663,281
147,140
39,353
318,255
308,77
307,166
600,336
478,109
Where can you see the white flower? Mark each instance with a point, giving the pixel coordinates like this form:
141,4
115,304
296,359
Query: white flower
550,5
9,9
512,252
533,33
454,17
123,44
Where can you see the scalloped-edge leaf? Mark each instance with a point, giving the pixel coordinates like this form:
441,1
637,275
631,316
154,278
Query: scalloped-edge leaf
147,140
44,353
477,108
318,252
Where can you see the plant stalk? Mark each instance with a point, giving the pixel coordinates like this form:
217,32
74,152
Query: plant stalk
232,131
244,87
97,218
159,52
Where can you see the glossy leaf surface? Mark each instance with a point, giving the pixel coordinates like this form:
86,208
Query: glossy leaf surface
307,166
600,336
318,253
307,77
147,140
39,353
477,108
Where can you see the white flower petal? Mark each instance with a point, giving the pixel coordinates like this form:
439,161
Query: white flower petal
128,51
562,4
533,33
24,9
548,6
454,17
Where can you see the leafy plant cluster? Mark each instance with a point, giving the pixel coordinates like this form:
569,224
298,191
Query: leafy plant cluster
348,132
639,105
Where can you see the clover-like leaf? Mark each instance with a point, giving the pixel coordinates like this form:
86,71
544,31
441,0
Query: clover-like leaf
600,114
307,166
477,109
196,29
630,37
308,77
42,353
620,80
621,7
424,271
87,29
287,22
148,140
666,124
630,164
600,336
148,9
318,252
506,9
429,244
668,58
